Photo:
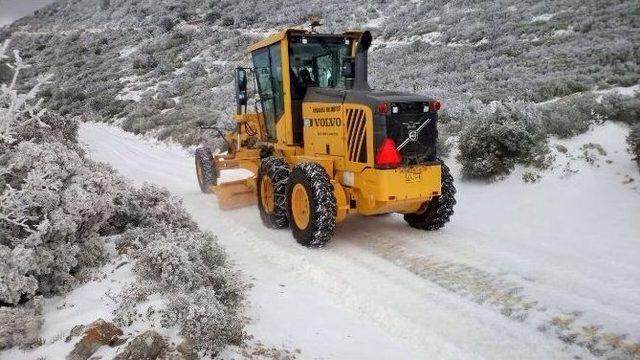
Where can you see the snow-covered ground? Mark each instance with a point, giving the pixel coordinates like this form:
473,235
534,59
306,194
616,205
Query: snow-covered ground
544,270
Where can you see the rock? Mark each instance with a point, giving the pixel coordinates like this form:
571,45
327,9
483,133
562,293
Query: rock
186,349
146,346
96,334
75,331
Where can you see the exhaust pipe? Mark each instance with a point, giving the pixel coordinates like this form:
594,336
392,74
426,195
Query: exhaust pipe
355,69
361,81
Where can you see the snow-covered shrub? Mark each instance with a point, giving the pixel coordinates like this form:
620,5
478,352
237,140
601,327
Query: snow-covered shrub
498,137
617,107
634,142
16,268
166,24
149,206
56,207
54,202
20,325
144,62
187,266
212,17
570,116
203,318
228,21
456,114
195,69
16,109
104,4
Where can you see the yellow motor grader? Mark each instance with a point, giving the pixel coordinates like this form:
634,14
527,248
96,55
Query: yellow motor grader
322,144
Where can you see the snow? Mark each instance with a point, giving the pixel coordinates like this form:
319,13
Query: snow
542,17
562,32
621,90
375,23
82,306
565,246
431,38
574,242
128,51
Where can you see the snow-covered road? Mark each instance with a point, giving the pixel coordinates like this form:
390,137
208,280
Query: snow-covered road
539,271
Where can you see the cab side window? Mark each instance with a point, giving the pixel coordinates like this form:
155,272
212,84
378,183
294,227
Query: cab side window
268,66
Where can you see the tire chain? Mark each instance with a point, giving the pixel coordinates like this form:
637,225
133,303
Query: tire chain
325,203
278,171
209,172
434,219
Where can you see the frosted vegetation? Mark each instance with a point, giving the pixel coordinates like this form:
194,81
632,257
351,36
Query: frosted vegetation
58,211
164,67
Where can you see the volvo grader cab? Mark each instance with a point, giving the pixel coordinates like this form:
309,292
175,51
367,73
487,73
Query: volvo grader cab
322,144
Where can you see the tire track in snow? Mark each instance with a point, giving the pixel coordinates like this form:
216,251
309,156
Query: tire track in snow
506,297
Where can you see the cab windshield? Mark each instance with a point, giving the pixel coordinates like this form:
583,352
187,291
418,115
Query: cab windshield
317,61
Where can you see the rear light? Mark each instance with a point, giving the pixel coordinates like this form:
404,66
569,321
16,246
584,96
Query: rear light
434,105
383,108
388,155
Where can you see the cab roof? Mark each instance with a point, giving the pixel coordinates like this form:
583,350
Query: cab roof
274,38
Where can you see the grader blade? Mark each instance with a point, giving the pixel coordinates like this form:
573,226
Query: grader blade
235,194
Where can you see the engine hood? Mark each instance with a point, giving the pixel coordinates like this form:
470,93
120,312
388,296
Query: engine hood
371,98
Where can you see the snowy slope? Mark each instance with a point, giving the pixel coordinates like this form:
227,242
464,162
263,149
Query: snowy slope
544,270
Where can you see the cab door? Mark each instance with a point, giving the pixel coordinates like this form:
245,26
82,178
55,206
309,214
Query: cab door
267,63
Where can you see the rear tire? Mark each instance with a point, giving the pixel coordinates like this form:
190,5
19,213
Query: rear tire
440,209
205,170
311,205
271,188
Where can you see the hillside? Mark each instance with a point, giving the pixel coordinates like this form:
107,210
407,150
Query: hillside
163,67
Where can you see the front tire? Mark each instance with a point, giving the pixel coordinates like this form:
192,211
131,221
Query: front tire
205,170
272,185
311,205
439,210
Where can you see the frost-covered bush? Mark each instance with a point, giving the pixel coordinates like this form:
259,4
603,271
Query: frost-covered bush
53,202
617,107
148,206
634,142
188,267
20,325
228,21
498,137
56,208
212,17
195,69
166,24
144,62
570,116
456,114
205,319
18,109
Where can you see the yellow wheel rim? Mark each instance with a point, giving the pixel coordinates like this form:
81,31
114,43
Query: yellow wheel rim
266,194
300,206
199,172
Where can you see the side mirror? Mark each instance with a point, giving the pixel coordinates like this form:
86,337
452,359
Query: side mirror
241,88
348,68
